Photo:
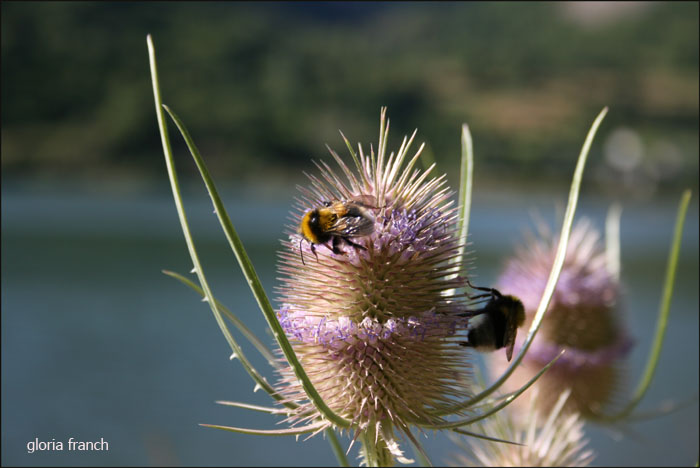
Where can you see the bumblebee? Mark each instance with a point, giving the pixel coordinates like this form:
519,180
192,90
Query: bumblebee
496,324
336,221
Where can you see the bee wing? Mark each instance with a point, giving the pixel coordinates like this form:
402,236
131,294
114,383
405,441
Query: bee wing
511,332
353,226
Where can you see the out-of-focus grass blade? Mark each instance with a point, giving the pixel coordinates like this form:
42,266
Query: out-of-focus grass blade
612,240
485,437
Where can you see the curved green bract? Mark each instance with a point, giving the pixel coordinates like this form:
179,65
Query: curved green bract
662,321
254,282
465,198
485,437
500,406
558,259
260,409
465,188
553,275
272,432
172,174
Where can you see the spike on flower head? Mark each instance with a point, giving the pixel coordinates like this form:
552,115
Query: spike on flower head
373,321
582,318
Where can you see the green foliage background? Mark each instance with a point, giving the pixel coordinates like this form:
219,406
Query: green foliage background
262,86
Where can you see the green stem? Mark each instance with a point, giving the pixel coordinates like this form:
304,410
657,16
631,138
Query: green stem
337,449
374,449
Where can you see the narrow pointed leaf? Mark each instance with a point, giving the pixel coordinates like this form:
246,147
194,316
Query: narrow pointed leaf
254,282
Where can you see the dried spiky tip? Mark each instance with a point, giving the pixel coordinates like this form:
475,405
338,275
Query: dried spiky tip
582,318
553,439
375,326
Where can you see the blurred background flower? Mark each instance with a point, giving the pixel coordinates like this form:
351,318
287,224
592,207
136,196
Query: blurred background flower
88,220
584,317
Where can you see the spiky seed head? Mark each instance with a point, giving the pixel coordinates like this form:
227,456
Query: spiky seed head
375,326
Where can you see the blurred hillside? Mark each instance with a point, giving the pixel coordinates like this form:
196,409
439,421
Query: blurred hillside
262,87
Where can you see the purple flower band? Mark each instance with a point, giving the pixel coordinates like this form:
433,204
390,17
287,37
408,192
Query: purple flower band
343,331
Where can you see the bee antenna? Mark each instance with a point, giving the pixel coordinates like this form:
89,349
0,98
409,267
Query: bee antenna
301,252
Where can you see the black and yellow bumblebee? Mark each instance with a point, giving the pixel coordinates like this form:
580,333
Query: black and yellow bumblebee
494,326
336,221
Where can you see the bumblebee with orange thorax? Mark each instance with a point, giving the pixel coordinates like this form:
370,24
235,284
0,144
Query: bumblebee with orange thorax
336,221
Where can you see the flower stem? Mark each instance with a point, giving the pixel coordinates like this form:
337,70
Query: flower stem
374,449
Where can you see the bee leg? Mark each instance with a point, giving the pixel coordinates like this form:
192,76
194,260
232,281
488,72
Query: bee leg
493,292
313,251
357,246
468,313
335,246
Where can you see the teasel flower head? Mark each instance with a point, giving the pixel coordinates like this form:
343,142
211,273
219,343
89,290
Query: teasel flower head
583,317
553,439
374,324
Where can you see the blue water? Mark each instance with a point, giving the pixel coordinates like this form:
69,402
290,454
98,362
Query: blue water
98,343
